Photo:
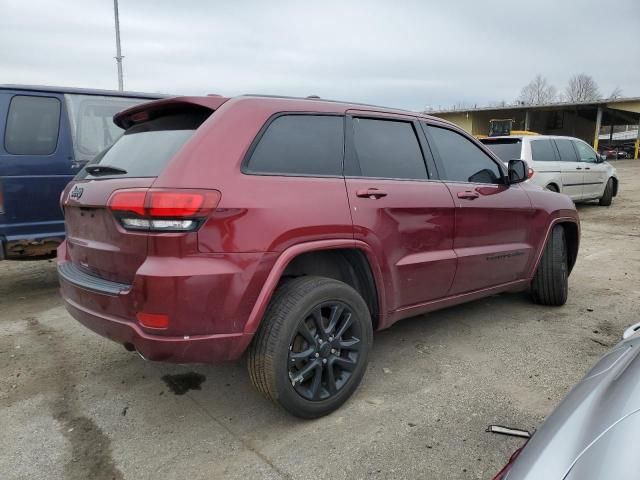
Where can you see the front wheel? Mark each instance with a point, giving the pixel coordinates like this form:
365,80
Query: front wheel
311,350
607,196
550,285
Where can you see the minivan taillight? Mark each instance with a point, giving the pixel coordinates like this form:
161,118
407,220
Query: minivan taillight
163,210
530,172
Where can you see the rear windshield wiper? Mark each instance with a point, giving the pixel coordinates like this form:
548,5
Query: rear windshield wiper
97,170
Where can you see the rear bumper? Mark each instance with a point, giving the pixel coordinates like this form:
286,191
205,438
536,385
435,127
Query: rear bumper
185,349
207,298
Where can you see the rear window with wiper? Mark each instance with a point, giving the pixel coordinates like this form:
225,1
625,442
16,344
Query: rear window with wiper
145,149
505,148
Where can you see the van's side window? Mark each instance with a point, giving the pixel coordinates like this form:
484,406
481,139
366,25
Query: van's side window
388,149
91,119
566,150
300,145
542,151
32,125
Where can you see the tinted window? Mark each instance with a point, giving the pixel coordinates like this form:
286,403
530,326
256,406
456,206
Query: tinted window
567,153
388,149
505,148
146,148
300,145
92,127
585,152
542,151
463,161
32,125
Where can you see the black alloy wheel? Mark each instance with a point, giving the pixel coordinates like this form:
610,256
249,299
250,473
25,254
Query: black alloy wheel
324,351
311,350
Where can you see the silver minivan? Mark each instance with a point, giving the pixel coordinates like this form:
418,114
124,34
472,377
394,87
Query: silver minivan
562,164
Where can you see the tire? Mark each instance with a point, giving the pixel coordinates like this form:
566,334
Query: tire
550,285
311,370
552,188
607,196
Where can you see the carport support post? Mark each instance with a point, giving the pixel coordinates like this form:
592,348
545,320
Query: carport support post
526,120
598,123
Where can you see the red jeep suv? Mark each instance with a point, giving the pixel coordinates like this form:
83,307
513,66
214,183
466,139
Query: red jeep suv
294,228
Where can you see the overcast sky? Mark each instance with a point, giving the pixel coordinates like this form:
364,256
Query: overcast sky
409,54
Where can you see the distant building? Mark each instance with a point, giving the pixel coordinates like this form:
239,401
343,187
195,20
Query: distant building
590,121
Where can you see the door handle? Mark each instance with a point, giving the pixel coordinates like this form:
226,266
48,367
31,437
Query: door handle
372,193
578,168
587,168
468,195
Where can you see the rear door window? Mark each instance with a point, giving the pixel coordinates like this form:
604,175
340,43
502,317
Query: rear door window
463,161
304,145
32,125
147,147
505,148
388,149
566,150
542,151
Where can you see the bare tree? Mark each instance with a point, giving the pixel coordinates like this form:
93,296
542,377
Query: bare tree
616,93
582,88
537,92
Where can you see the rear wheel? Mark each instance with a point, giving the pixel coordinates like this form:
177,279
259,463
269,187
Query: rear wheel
552,188
607,196
311,350
550,285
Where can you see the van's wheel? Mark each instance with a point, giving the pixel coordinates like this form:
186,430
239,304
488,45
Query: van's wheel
552,188
607,196
311,349
550,285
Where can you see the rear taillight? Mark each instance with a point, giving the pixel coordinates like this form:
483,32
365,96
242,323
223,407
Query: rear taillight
530,172
163,210
503,472
128,201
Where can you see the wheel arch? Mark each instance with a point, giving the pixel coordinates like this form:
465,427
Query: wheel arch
572,239
349,261
615,186
554,184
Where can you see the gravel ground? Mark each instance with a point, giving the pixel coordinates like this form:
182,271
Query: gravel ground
76,406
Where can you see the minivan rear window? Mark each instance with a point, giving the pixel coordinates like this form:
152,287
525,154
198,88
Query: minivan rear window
145,149
505,148
542,151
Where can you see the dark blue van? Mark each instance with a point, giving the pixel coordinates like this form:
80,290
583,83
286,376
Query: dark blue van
47,135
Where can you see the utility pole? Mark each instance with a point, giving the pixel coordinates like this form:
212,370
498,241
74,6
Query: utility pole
118,56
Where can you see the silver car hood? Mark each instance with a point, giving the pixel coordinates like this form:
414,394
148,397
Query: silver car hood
595,432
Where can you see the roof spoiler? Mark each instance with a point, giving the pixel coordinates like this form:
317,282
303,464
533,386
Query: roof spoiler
148,110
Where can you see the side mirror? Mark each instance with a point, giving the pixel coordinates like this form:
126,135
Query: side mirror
517,171
601,158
